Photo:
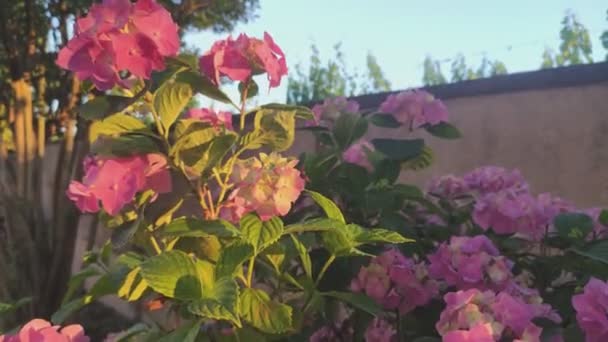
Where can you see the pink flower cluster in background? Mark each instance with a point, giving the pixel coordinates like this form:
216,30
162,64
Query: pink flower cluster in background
415,108
396,282
592,310
239,59
38,330
115,181
358,154
116,36
327,112
267,185
216,119
470,262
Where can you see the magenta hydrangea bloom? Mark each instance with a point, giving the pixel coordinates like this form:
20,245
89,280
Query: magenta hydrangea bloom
117,35
267,185
415,108
39,330
470,262
358,154
491,179
396,282
115,181
380,330
449,186
244,57
478,333
215,119
327,112
592,310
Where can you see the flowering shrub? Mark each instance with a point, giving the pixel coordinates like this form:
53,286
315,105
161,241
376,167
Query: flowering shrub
231,241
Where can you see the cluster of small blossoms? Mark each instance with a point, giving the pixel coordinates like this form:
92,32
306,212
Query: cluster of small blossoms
39,330
117,36
327,112
415,108
267,185
592,310
217,119
240,59
380,330
600,230
396,282
115,181
470,262
358,154
475,315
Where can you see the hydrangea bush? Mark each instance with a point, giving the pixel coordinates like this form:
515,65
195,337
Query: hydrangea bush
227,239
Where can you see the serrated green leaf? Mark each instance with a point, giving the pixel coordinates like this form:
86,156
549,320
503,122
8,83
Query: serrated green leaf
573,226
302,112
115,125
400,150
125,145
384,120
597,251
103,106
173,274
349,128
125,288
304,256
330,208
276,255
170,99
444,130
221,302
260,234
130,259
262,313
203,149
357,300
274,129
193,227
314,225
374,235
203,85
232,258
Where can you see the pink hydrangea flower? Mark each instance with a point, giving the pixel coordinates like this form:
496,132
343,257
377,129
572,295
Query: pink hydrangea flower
449,186
39,330
470,262
478,333
267,185
216,119
380,330
358,153
244,57
592,310
117,35
115,181
396,282
600,231
327,112
415,108
490,179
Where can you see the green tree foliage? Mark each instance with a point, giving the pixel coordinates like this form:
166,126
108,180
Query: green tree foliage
432,74
575,46
459,70
604,37
333,78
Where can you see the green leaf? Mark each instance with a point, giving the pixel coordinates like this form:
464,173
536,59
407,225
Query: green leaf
115,125
125,145
330,208
130,259
232,258
261,234
408,191
6,308
203,85
348,129
573,226
597,251
219,302
302,112
124,233
314,225
357,300
444,130
66,310
276,255
193,227
384,120
125,288
274,129
366,236
603,218
400,150
186,333
304,256
252,88
173,274
423,161
202,149
77,280
262,313
170,99
103,106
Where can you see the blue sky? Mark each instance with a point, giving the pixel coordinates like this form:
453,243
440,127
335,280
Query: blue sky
400,33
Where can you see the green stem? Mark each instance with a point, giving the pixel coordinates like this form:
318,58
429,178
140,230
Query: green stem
324,269
155,244
243,102
250,271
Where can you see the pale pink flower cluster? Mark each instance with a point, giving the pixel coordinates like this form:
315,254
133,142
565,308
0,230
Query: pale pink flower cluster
380,330
592,310
327,112
449,187
358,154
39,330
491,179
216,119
115,181
470,262
244,57
396,282
415,108
475,315
267,185
116,36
